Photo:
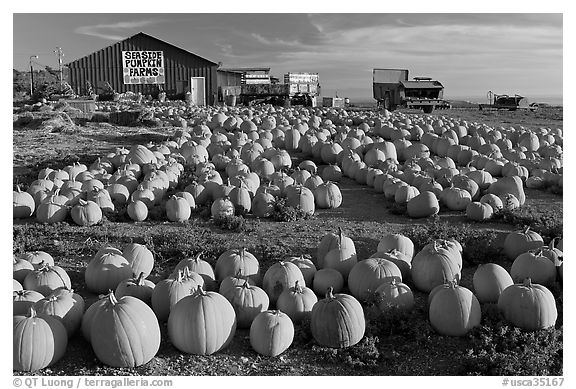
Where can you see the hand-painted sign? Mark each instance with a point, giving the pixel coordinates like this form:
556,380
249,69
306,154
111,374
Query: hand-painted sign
143,67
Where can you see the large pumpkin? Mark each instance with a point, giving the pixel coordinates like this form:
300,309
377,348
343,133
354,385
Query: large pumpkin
23,204
434,265
138,287
337,321
489,281
105,271
233,261
202,323
512,185
367,275
271,333
454,310
306,266
20,268
397,241
124,332
394,294
86,213
171,290
38,341
297,302
248,301
528,306
519,242
178,209
200,266
328,195
47,279
64,305
22,300
423,205
535,266
281,276
337,251
140,258
327,278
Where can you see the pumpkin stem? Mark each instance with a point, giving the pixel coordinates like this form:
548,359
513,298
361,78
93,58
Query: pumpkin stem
552,244
297,287
200,290
112,298
526,230
140,278
329,293
31,311
528,282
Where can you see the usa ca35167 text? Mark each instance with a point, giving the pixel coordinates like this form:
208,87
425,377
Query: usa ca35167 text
536,381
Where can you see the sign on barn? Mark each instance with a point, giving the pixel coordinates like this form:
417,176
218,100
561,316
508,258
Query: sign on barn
143,67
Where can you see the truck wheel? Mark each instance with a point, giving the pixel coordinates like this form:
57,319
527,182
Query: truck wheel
428,108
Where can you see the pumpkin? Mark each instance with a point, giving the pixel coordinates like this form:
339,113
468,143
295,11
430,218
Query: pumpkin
331,173
271,333
263,204
279,277
222,208
64,305
86,213
519,242
137,210
234,261
106,270
300,197
489,281
454,310
393,294
528,306
169,291
297,302
21,268
247,300
423,205
433,265
202,323
398,242
101,197
327,278
47,279
124,332
139,257
119,193
38,258
178,209
512,185
16,285
337,251
200,266
367,275
38,341
305,265
138,287
22,300
241,199
494,201
553,253
328,195
455,199
23,204
403,261
479,211
535,266
337,321
53,209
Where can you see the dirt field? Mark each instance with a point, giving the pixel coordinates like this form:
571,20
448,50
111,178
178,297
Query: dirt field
410,346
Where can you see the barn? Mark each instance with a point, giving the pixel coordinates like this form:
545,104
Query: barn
145,64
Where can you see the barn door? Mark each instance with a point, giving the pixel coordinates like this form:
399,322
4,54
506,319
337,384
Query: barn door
198,90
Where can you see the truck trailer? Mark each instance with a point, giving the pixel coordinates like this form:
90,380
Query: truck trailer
298,89
392,90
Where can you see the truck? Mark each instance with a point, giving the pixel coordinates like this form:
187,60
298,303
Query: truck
299,88
392,89
511,103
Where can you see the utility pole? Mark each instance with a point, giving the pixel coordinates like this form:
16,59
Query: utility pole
32,76
60,54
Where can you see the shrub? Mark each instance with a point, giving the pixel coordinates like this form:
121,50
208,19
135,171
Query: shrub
285,213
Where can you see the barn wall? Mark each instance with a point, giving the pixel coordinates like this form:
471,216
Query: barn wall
106,65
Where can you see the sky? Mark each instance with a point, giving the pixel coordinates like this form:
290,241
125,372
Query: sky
470,53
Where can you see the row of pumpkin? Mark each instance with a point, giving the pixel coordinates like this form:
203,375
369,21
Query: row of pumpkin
202,321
